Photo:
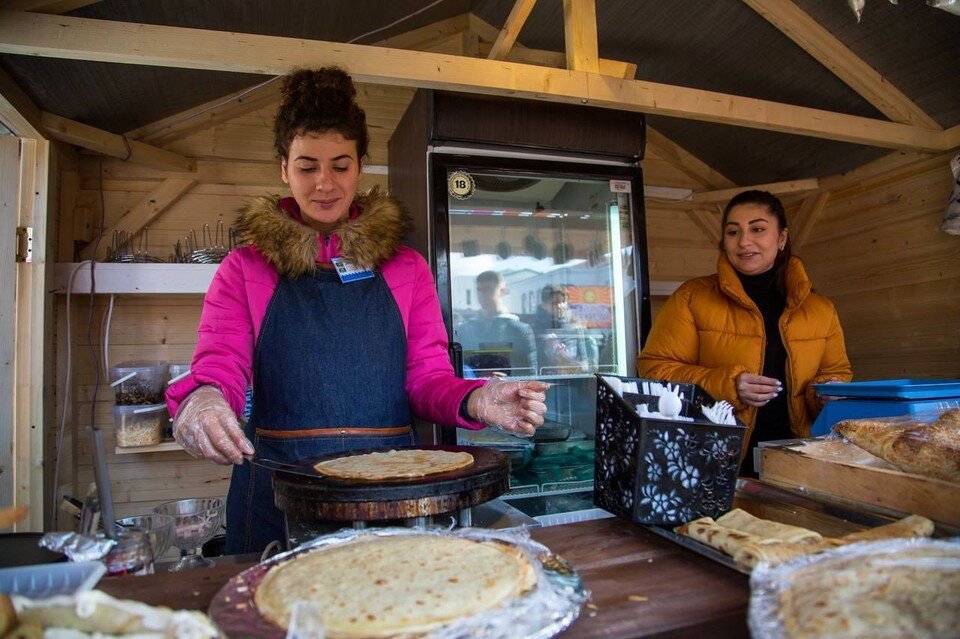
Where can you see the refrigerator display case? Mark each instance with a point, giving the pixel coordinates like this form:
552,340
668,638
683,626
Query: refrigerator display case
539,256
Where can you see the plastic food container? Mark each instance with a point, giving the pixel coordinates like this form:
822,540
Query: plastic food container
48,580
177,372
139,425
660,471
138,383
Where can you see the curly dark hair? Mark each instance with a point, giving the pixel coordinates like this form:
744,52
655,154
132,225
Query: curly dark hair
318,101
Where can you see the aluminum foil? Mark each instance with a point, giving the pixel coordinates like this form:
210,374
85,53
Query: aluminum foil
551,606
78,547
768,581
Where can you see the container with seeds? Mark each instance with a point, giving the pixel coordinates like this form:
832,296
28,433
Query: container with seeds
138,383
139,425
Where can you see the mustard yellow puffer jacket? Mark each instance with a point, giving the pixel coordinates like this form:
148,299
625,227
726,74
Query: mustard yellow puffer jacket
709,331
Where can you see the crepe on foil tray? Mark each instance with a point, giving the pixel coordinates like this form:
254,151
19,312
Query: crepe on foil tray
549,600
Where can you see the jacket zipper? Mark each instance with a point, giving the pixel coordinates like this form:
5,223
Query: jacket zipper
788,386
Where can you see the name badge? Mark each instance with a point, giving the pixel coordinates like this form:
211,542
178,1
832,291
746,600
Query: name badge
348,272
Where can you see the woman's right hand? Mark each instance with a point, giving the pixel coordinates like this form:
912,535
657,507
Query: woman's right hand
207,428
757,390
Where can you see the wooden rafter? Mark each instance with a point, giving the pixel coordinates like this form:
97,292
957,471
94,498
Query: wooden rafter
580,35
45,6
806,218
511,29
206,115
797,25
88,137
686,161
17,111
708,222
777,188
145,211
109,41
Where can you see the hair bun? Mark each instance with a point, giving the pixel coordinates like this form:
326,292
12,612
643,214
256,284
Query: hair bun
304,86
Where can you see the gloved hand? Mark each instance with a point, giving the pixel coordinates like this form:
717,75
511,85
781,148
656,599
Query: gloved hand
207,428
516,407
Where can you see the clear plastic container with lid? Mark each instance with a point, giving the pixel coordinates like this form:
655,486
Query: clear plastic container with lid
139,425
138,383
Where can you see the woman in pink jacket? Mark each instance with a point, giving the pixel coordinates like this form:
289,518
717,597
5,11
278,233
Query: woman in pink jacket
335,363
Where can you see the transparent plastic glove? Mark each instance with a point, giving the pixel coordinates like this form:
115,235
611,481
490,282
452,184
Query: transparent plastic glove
207,427
516,407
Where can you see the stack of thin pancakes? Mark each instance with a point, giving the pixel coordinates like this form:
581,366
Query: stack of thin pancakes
750,540
385,586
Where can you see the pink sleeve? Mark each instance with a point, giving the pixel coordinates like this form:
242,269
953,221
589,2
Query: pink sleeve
224,353
434,391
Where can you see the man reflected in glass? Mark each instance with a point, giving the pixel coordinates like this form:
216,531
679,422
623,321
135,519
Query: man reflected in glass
496,342
563,345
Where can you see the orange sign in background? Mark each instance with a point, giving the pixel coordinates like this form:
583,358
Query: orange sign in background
592,306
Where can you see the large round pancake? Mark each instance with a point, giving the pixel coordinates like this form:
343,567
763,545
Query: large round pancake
406,462
385,586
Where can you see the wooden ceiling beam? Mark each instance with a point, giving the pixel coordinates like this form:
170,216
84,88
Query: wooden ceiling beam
806,217
109,41
45,6
580,35
686,161
94,139
707,222
145,211
777,188
797,25
17,111
511,29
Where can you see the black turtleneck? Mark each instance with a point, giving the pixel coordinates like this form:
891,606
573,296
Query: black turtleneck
773,419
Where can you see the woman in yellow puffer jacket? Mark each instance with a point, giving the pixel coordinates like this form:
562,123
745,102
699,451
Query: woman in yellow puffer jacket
754,334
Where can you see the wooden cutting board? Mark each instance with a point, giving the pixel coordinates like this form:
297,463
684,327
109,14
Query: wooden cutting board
840,469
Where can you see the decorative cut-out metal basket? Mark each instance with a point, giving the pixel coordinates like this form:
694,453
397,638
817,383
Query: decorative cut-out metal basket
659,471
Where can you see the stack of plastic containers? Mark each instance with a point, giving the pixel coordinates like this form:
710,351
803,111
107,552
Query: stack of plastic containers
140,416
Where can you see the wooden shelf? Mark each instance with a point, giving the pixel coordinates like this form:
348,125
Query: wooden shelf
113,278
157,448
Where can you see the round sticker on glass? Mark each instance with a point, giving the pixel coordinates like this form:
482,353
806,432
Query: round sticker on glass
460,185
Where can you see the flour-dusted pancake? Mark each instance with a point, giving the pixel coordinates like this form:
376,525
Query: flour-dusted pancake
876,591
394,464
741,520
379,587
726,540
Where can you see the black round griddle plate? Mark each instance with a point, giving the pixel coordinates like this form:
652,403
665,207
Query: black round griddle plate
488,466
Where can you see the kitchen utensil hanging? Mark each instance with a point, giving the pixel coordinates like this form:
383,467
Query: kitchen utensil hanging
562,250
504,250
122,248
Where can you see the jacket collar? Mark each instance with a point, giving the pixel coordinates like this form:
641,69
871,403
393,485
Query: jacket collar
798,285
369,237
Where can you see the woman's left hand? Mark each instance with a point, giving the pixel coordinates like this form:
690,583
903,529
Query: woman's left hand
516,407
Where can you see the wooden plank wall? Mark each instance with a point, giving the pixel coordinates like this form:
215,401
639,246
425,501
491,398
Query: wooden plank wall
878,253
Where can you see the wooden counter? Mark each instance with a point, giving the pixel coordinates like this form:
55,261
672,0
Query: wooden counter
687,595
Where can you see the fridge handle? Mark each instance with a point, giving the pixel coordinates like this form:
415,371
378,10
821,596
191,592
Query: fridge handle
456,358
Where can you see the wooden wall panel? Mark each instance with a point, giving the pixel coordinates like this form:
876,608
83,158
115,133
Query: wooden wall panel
877,252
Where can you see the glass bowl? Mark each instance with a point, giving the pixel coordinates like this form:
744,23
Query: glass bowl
196,521
159,529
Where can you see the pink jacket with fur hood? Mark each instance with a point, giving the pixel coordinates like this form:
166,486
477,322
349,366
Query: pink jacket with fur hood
279,244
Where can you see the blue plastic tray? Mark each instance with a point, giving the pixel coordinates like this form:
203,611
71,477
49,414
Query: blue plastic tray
47,580
893,389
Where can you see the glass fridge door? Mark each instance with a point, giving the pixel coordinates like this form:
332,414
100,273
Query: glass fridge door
543,284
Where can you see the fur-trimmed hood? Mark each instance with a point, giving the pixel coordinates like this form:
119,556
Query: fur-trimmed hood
368,238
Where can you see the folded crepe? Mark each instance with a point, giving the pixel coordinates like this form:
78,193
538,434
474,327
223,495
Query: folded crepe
741,520
709,532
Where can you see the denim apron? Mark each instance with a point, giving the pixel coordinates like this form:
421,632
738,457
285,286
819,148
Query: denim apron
329,373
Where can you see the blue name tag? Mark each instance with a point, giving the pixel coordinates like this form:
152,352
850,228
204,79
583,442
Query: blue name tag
348,272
